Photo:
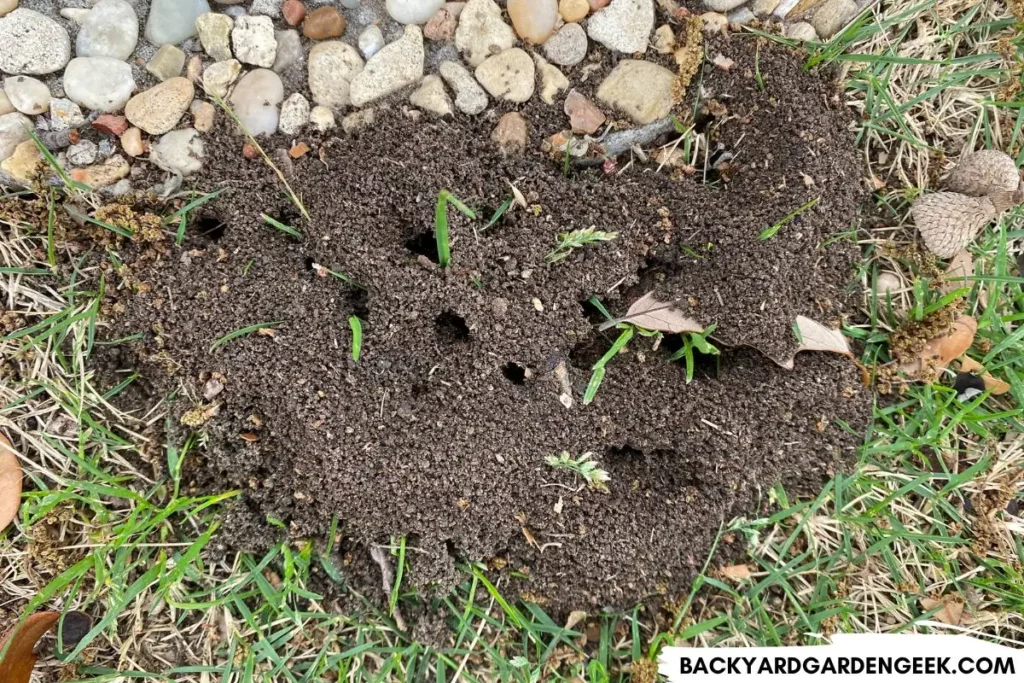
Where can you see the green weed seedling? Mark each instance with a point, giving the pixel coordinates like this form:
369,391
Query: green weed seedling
585,466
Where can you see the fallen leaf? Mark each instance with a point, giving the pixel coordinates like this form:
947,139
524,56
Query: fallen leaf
575,617
968,364
736,572
10,483
950,611
16,666
529,538
997,386
959,269
651,314
816,337
520,199
942,351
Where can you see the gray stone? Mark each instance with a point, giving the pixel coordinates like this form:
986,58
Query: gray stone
180,151
470,98
763,7
332,66
5,103
65,114
723,5
294,114
173,21
624,25
397,65
741,16
220,76
14,130
832,16
509,75
371,40
167,62
568,46
215,35
83,153
640,89
32,43
289,50
255,101
801,31
270,8
99,83
28,95
482,32
159,109
254,41
431,96
110,29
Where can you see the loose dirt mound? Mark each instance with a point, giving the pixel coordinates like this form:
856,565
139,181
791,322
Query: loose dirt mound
440,430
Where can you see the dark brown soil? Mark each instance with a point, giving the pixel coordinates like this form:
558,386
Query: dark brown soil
440,431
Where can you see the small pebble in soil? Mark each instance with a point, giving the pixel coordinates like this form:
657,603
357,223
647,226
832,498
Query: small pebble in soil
167,62
431,96
101,84
131,142
322,119
7,6
294,114
109,29
723,5
180,151
371,40
801,31
254,41
294,12
664,40
215,35
713,22
395,66
568,46
82,153
255,101
32,43
159,109
102,175
552,81
623,26
482,31
511,134
533,20
110,124
508,75
219,77
28,95
332,66
584,116
412,11
289,50
14,128
24,164
173,21
204,115
5,103
65,114
470,98
324,23
441,27
640,89
832,16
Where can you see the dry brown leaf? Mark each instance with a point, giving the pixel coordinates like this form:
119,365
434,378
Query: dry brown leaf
968,364
575,617
997,386
959,269
16,666
10,483
942,351
949,221
651,314
816,337
736,572
950,611
984,172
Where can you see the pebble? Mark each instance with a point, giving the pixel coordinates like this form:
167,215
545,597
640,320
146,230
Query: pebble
321,118
254,41
289,50
784,8
28,95
568,46
431,96
598,4
24,163
180,151
83,153
664,40
801,31
102,175
723,5
412,11
194,68
441,27
255,101
159,109
573,10
508,75
533,20
470,98
294,114
102,84
358,121
215,35
741,16
32,43
109,29
482,32
220,76
640,89
270,8
119,189
131,142
14,128
371,40
763,7
397,65
5,103
7,6
294,12
173,21
832,16
713,22
511,133
110,124
552,81
584,116
332,66
65,114
167,62
204,115
324,23
624,25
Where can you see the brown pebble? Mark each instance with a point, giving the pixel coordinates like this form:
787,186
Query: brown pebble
294,12
299,150
510,133
110,124
584,116
249,150
323,23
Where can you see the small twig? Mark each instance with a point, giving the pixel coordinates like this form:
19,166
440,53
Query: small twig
388,580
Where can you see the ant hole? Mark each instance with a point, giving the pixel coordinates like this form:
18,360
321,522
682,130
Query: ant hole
309,262
451,327
515,373
423,244
210,227
359,300
591,312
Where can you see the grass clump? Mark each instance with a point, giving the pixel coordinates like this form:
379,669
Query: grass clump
585,466
568,241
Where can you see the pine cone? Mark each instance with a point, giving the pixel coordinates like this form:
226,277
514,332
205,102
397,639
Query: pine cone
982,173
949,221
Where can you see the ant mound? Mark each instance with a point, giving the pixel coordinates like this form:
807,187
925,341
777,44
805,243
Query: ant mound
470,375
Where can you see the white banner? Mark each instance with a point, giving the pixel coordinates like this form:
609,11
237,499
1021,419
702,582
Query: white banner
850,658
